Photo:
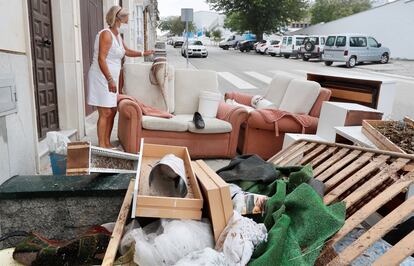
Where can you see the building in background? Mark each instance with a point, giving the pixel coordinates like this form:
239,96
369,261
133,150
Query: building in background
391,24
45,54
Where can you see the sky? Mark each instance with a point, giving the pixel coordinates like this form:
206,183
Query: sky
173,7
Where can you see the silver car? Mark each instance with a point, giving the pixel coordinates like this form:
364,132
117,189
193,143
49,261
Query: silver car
353,49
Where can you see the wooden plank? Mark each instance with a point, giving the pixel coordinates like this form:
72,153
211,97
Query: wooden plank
376,137
351,95
337,166
308,157
296,154
375,233
397,254
338,191
326,164
112,248
354,166
377,180
371,207
323,156
286,152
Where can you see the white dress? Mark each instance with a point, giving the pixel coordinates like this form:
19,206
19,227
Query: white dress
98,92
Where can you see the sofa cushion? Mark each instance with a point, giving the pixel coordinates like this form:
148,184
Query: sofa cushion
138,85
212,126
300,96
177,123
188,85
277,88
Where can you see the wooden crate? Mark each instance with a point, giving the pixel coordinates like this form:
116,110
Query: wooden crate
381,141
84,159
217,196
366,180
145,205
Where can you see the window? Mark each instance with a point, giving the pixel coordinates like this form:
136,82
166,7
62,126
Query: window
358,42
284,40
313,40
299,41
330,41
196,43
340,41
372,42
322,39
274,42
289,42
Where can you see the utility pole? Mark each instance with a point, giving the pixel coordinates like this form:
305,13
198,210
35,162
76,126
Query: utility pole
186,16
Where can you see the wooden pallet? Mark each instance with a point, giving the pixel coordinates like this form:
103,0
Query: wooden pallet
366,180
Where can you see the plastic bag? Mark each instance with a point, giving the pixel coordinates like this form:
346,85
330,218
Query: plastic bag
57,142
167,241
207,257
239,238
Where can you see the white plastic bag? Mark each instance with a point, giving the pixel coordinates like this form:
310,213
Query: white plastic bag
57,142
259,102
165,242
205,257
239,238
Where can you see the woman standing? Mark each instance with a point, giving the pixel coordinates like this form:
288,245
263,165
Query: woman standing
103,76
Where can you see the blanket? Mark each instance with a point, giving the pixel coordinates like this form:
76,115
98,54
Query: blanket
146,110
274,116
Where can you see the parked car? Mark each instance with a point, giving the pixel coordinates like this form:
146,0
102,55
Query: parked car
274,49
353,49
246,46
263,49
231,42
312,47
178,42
195,48
258,45
290,45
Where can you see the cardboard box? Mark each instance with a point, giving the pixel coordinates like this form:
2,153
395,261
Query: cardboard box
145,205
217,194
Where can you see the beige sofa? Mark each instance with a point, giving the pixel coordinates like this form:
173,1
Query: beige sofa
217,140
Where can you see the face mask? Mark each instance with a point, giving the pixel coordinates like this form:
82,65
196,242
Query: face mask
123,28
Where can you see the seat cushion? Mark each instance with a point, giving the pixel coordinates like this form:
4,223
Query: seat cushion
177,123
188,85
212,126
277,88
300,96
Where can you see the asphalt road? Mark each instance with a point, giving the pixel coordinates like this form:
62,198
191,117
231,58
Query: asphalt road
251,72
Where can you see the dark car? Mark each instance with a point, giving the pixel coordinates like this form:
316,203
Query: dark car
246,46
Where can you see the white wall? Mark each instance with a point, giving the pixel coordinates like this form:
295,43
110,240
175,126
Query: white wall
12,26
391,24
18,133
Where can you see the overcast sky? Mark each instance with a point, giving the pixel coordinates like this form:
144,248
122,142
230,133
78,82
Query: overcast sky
173,7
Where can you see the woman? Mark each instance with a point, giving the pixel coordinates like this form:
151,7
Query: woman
103,76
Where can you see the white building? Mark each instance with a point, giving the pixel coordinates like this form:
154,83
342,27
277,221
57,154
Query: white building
391,24
45,53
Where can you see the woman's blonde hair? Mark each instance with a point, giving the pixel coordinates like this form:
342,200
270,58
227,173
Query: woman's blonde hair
114,13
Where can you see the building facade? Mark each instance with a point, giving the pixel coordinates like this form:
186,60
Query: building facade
45,54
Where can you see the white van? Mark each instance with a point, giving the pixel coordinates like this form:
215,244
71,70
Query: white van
290,45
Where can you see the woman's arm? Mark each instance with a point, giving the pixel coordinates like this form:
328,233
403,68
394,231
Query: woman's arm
105,43
133,53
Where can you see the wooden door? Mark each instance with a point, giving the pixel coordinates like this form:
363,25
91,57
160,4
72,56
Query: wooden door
40,19
91,24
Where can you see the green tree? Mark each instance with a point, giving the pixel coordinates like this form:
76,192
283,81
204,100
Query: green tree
328,10
259,16
207,33
216,35
175,26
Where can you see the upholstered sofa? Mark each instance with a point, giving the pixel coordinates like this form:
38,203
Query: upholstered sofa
303,98
218,139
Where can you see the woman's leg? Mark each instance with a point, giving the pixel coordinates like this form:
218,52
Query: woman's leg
103,121
110,126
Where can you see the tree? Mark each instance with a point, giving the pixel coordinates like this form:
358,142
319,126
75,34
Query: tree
328,10
175,26
259,16
216,35
207,33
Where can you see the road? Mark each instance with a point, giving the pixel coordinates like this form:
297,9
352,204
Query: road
251,72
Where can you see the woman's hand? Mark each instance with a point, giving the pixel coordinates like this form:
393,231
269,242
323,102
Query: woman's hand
149,52
112,86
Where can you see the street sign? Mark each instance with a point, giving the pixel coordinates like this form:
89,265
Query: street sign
186,14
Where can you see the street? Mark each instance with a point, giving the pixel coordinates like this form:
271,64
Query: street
251,72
